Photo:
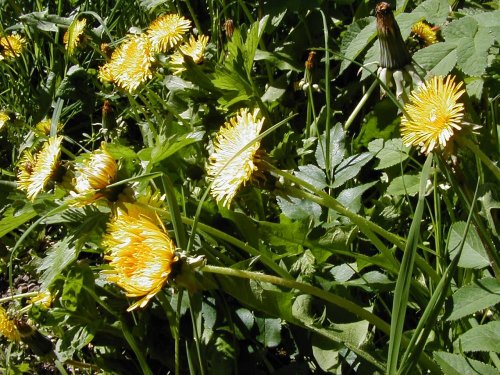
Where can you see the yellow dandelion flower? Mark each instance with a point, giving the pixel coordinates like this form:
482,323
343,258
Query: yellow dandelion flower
105,74
230,165
4,119
7,327
195,48
424,32
11,46
432,114
141,255
145,206
166,31
97,171
43,299
36,171
130,63
45,125
74,35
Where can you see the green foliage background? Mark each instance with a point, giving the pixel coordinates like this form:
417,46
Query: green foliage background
355,255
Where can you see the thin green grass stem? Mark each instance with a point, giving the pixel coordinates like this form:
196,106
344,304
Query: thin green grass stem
193,16
403,283
327,94
135,348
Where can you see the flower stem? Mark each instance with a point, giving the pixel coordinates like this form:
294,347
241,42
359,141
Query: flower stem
18,296
360,105
306,288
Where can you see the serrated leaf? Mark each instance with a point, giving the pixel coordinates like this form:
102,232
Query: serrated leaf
457,364
434,11
57,259
488,203
437,59
476,296
356,39
473,254
351,198
404,185
389,152
313,175
12,220
326,353
120,152
253,37
473,52
165,149
298,209
337,148
484,338
350,167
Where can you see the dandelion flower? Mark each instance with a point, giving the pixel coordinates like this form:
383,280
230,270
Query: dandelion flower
97,170
43,299
130,63
229,165
75,35
7,327
11,46
4,119
194,48
45,125
432,114
141,255
166,31
37,170
424,32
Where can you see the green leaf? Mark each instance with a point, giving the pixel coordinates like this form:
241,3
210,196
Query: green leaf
437,59
252,41
313,175
12,219
270,331
404,185
120,152
163,150
326,353
481,338
337,148
58,258
473,52
280,60
457,364
350,167
434,11
473,254
298,209
357,37
476,296
389,152
488,203
351,198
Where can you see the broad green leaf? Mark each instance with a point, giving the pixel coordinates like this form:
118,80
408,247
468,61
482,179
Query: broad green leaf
165,149
326,353
350,167
73,339
356,39
434,11
57,259
12,220
473,254
313,175
120,152
337,148
473,52
298,209
351,198
489,20
273,92
253,37
404,185
476,296
437,59
457,364
484,338
270,331
372,281
488,203
280,60
389,152
288,233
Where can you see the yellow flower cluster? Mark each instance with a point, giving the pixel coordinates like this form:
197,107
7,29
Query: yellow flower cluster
131,64
75,35
11,46
424,32
7,326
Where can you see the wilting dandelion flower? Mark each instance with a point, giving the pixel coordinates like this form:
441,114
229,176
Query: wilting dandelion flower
424,32
96,171
141,255
230,165
130,63
74,35
7,327
11,46
432,114
43,299
194,48
166,31
35,171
